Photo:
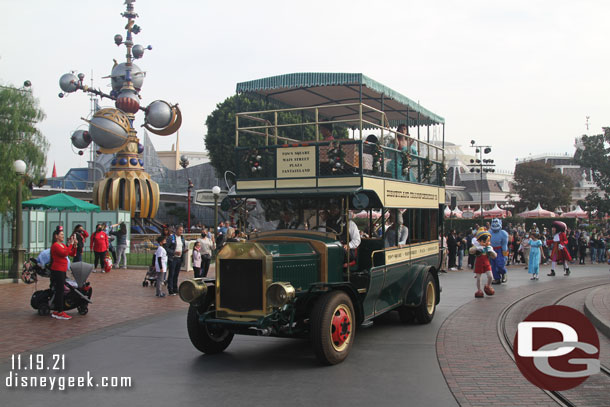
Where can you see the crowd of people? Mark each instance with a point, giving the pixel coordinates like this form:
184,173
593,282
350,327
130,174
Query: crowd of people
519,245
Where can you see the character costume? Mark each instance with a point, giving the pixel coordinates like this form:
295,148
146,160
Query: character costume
499,242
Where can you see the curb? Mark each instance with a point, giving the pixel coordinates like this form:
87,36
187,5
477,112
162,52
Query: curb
598,320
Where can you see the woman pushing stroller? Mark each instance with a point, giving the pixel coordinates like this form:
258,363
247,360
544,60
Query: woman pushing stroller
59,267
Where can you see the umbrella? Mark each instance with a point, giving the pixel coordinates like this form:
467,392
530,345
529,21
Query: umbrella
457,212
61,202
576,213
538,212
365,214
495,212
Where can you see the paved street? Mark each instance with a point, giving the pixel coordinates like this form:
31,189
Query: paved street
129,332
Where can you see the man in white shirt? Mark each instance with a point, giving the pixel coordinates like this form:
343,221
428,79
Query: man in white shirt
337,223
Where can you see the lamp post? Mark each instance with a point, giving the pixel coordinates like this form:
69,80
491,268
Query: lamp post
189,189
20,169
184,162
216,192
481,165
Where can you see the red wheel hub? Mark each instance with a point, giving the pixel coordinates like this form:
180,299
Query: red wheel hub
341,327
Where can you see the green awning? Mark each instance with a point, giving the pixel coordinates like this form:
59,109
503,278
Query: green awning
318,88
61,202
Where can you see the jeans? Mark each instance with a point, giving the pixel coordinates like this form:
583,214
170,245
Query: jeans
99,256
593,254
174,270
121,253
460,258
205,266
160,278
78,257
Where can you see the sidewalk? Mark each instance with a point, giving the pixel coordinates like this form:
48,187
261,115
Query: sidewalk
118,297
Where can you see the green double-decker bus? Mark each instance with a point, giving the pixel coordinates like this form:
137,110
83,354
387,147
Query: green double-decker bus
341,190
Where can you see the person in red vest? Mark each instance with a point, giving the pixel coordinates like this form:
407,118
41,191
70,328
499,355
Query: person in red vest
59,266
99,245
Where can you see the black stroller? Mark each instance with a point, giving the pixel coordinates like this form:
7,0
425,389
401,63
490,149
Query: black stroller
77,292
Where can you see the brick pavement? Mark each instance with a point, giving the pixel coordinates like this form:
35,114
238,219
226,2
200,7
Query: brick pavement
477,368
118,297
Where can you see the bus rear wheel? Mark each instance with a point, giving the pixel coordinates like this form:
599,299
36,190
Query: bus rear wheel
425,312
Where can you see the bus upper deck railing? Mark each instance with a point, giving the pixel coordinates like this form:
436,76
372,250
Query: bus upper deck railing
337,158
299,124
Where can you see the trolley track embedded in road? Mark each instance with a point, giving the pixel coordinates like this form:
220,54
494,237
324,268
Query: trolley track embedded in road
506,340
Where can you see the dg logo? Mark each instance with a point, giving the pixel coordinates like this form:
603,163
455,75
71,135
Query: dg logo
556,348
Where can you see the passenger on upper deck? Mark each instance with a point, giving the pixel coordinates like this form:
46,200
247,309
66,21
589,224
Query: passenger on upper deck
397,233
401,144
327,131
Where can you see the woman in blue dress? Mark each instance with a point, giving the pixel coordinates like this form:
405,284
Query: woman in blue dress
534,260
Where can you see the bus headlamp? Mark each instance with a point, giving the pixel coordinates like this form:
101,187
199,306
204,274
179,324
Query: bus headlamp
280,294
193,291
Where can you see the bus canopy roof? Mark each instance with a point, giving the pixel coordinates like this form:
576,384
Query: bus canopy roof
319,88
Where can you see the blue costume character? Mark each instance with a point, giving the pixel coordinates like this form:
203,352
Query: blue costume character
499,242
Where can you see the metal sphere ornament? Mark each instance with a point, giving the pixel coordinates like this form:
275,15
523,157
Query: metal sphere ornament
140,148
128,101
141,161
68,82
113,162
118,39
81,139
80,152
117,76
123,161
109,128
159,114
137,51
133,161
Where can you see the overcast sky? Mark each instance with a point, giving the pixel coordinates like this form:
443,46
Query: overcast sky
519,75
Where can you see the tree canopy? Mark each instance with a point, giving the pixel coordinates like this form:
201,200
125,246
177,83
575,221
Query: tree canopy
538,182
595,155
220,139
20,140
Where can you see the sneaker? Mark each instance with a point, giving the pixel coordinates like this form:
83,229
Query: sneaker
496,281
94,270
504,278
551,274
567,272
60,315
533,278
173,294
452,269
536,277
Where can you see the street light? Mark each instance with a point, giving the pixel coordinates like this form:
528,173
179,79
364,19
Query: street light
216,192
20,169
481,165
189,189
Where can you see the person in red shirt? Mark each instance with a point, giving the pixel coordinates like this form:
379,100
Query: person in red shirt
99,245
59,266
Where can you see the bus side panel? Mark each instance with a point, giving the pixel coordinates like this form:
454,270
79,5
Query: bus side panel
373,291
398,280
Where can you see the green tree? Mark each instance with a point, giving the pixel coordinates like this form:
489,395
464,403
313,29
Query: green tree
220,139
595,155
20,140
537,182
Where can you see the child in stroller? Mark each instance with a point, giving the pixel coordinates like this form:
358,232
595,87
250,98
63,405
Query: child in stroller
77,292
151,275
